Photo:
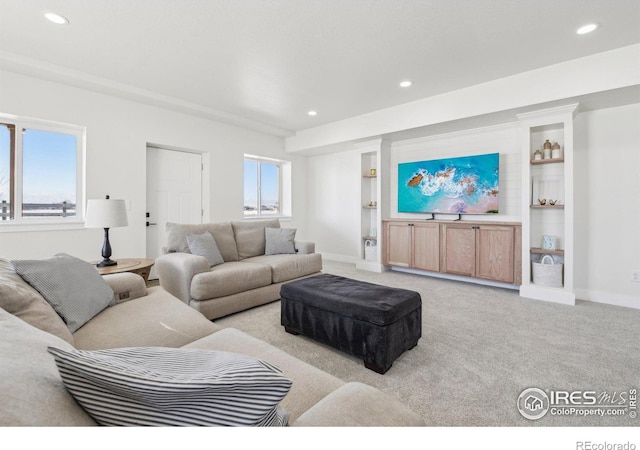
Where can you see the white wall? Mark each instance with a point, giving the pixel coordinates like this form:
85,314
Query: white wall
334,207
607,212
118,131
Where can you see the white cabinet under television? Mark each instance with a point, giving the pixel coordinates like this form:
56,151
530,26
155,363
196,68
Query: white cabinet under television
547,204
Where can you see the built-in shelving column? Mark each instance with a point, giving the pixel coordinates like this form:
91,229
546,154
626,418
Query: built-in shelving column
547,204
373,192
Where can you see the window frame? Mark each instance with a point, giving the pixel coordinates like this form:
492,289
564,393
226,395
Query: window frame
20,223
284,189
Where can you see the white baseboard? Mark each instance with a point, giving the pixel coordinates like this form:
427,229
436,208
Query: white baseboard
371,266
447,276
628,301
340,258
361,264
548,294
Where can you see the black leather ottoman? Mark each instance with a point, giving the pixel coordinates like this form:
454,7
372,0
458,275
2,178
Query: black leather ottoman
376,323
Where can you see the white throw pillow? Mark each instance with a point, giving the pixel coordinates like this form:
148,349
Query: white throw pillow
279,241
174,387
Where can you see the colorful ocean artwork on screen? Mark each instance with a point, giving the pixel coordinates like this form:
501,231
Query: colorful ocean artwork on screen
464,185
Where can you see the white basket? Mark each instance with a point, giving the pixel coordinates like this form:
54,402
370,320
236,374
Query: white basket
547,272
370,250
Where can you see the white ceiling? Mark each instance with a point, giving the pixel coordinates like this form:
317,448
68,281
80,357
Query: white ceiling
265,63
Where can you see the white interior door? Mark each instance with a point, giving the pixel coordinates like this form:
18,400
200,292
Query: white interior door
174,194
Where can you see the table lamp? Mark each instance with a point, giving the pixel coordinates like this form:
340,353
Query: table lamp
106,214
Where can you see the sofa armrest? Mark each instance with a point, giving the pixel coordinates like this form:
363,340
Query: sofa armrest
126,286
359,405
304,247
176,270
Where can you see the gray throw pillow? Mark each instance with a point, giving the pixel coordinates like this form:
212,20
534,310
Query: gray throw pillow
20,299
279,241
73,287
205,245
157,386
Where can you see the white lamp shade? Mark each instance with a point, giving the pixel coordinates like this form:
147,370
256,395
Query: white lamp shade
106,214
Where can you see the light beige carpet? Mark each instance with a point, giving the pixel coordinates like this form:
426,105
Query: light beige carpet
480,348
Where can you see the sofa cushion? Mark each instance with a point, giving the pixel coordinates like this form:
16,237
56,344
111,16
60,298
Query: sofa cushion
158,319
310,384
344,406
174,387
250,238
20,299
72,286
205,245
31,390
279,241
229,278
289,267
222,233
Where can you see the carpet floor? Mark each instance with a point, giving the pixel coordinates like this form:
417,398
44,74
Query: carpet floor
480,348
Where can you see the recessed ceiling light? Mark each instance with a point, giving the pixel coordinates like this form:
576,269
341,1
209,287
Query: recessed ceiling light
405,83
312,113
587,28
56,18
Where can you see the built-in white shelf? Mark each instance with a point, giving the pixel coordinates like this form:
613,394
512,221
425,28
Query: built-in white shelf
537,127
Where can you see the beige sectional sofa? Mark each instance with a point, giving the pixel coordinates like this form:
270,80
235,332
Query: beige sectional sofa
247,277
32,392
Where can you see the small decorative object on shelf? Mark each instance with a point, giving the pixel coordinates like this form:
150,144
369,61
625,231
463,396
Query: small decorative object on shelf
548,242
537,156
372,172
552,202
547,149
555,151
542,202
373,232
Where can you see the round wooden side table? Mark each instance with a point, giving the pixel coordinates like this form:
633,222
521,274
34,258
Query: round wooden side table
140,266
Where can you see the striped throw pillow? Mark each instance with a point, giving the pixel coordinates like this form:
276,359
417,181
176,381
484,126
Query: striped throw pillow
156,386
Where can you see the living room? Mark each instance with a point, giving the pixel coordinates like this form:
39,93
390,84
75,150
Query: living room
123,120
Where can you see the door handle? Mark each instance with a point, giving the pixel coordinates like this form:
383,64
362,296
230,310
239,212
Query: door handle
149,223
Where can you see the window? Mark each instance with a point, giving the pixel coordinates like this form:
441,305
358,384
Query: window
41,176
266,187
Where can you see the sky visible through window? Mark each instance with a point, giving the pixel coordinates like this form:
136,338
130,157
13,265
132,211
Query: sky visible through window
269,177
49,166
4,163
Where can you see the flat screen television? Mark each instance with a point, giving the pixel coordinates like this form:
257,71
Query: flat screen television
464,185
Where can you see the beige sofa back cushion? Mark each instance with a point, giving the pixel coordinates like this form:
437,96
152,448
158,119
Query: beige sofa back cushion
31,388
20,299
222,233
250,238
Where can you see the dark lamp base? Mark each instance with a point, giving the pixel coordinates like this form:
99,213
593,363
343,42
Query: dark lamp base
107,262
